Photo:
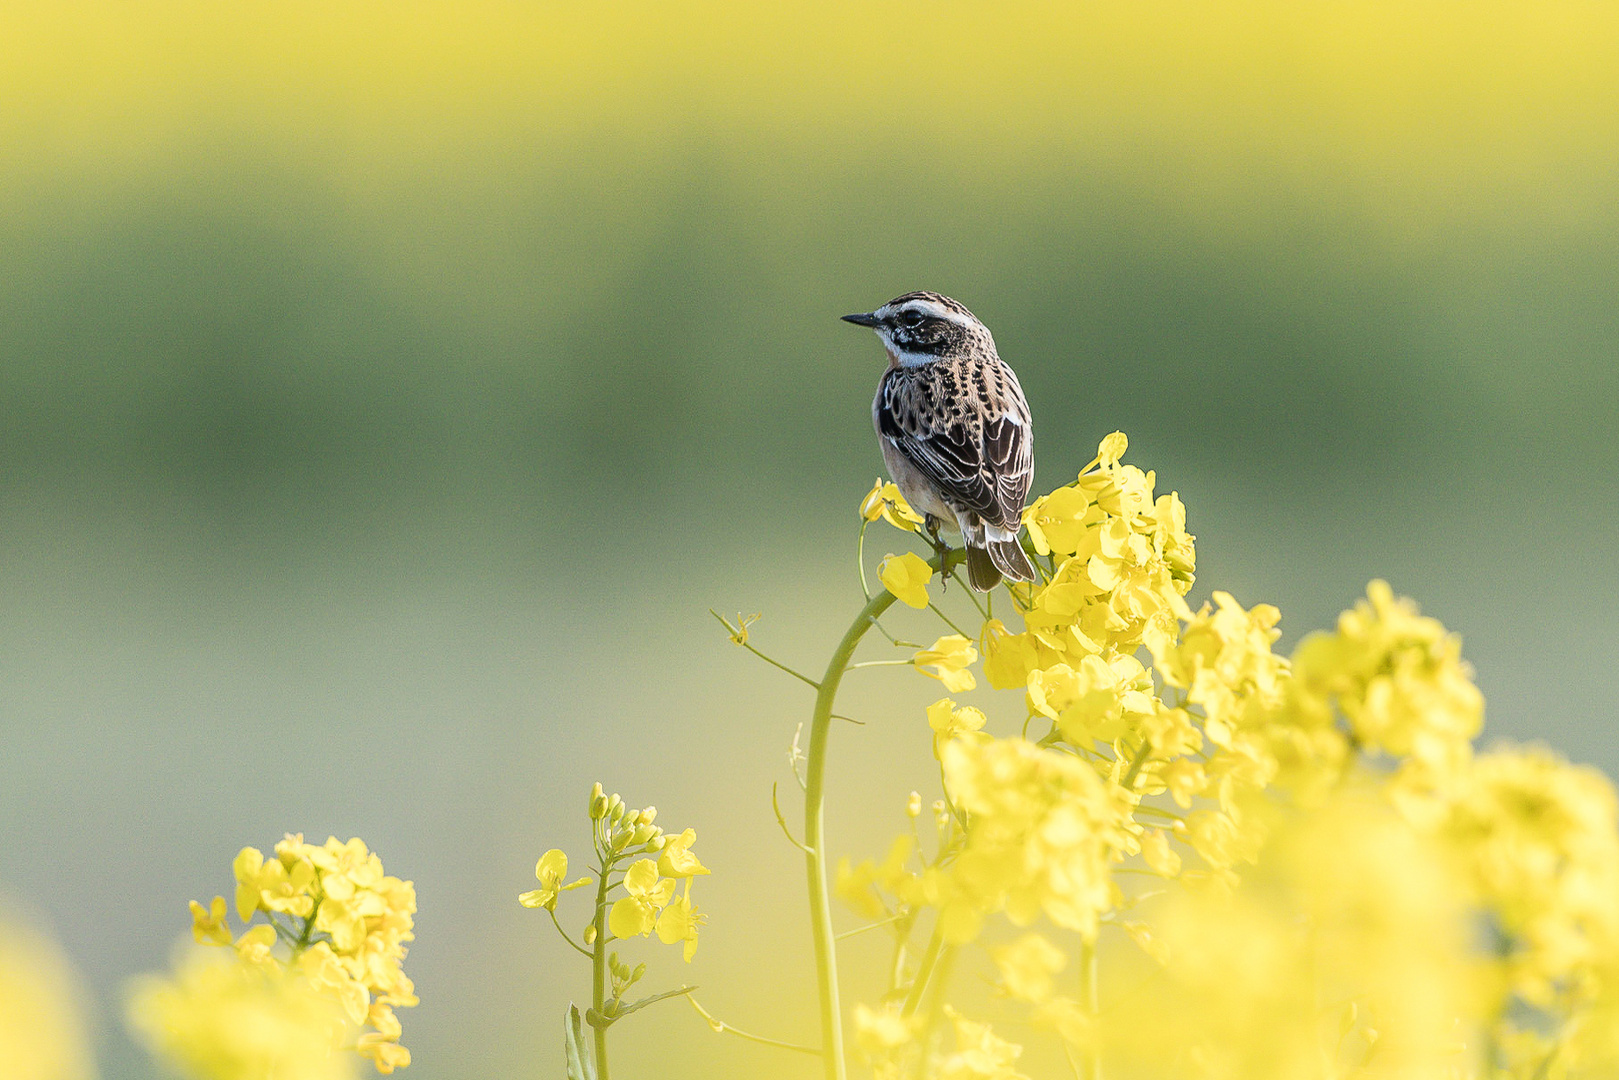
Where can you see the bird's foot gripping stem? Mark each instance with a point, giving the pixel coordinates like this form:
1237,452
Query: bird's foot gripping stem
940,548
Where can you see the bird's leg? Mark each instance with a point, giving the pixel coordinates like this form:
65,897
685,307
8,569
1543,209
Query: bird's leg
940,548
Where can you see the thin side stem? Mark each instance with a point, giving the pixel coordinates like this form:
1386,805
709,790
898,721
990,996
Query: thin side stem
947,621
720,1027
924,972
576,946
826,962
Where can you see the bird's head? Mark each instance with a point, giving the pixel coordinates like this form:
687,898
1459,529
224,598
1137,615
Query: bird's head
921,327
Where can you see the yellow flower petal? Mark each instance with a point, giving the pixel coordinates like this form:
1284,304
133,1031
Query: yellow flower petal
907,577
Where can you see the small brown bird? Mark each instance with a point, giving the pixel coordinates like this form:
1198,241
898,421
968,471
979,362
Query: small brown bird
954,430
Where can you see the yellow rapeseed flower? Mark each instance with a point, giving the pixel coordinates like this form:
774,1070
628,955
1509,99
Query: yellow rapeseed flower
637,913
550,870
273,885
907,577
679,922
1059,521
884,501
208,925
949,657
1112,448
676,859
949,722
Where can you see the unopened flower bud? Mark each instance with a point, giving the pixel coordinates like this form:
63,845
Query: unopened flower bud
598,807
657,842
913,805
615,808
590,934
649,815
641,835
640,969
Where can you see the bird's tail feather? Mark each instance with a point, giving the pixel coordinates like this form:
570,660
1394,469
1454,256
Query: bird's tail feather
1010,559
982,572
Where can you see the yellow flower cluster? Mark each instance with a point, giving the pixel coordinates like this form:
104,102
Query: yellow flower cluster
1044,831
649,902
1342,951
336,920
1326,880
1399,681
1540,843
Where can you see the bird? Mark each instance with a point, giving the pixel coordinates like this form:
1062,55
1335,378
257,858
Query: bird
955,430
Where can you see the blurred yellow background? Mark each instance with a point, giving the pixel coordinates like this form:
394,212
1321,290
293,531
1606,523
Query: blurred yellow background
387,390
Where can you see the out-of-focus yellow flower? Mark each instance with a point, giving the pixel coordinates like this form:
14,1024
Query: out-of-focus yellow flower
980,1054
256,947
949,657
1158,854
907,577
325,972
676,859
208,925
949,722
1029,966
215,1019
1045,830
1345,902
637,913
858,886
42,1035
386,1054
1099,701
679,921
550,870
1009,657
886,1039
1541,840
1398,678
884,501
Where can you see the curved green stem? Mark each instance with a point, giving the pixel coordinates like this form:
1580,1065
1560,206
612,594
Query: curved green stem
598,979
826,961
1091,1003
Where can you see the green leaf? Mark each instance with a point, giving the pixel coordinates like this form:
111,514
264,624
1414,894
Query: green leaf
580,1064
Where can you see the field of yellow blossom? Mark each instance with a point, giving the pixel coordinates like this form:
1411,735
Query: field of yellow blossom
389,392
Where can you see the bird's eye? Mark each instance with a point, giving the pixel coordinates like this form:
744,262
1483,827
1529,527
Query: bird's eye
911,320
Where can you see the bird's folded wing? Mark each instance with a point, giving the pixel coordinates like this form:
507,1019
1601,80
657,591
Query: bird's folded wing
982,467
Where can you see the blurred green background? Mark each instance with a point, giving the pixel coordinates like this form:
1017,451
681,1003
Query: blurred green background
387,390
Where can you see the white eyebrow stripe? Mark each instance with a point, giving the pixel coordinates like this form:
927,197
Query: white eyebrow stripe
929,308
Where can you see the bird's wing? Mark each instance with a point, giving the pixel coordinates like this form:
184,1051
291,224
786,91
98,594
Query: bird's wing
967,432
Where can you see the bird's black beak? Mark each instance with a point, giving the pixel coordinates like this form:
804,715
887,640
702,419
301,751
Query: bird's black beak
862,319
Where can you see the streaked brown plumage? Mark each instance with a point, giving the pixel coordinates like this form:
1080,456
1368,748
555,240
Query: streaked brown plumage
954,429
